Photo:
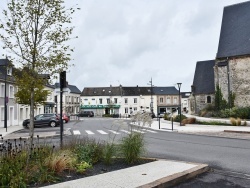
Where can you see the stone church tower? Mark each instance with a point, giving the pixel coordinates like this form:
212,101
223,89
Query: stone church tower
231,70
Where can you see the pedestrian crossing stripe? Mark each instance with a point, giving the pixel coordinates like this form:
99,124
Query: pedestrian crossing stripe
114,132
101,131
77,132
89,132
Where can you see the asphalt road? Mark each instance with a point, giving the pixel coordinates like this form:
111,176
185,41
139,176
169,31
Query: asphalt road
229,158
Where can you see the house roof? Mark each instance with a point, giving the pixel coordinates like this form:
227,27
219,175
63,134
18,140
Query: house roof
73,88
165,90
185,94
203,82
128,91
3,63
235,31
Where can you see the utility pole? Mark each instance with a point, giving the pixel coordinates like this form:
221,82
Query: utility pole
151,104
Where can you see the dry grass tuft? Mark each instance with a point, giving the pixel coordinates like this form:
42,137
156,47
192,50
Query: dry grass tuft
238,122
233,121
188,121
60,161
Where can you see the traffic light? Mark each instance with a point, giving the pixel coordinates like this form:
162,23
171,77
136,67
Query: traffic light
63,79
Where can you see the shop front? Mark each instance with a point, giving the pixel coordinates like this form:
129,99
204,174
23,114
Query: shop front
99,110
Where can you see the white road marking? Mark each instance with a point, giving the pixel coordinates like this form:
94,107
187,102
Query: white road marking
89,132
138,131
102,132
76,132
149,130
114,132
128,132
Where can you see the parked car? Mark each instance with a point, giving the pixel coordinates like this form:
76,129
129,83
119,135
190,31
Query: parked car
86,114
43,120
65,118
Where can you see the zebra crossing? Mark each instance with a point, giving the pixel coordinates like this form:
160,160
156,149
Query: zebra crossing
109,131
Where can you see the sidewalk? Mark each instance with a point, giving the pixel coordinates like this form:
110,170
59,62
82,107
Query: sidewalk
10,129
190,128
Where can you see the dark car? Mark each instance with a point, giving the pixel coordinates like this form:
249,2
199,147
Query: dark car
43,120
86,114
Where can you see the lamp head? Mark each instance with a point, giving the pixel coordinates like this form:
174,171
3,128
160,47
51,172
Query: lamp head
179,85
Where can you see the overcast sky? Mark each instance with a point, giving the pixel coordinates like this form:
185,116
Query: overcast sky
129,41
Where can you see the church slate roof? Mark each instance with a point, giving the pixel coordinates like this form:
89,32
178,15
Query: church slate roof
235,31
203,82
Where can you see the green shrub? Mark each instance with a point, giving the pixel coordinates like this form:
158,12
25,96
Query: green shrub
132,147
90,153
82,167
177,118
108,152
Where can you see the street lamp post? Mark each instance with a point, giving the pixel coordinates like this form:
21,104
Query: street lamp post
179,87
151,103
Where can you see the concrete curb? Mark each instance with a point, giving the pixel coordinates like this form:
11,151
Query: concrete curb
232,131
177,178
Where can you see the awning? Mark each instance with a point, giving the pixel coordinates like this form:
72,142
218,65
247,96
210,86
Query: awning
99,106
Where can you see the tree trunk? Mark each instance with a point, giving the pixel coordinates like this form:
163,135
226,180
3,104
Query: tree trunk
31,133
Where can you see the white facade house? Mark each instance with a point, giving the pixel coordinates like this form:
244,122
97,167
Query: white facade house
119,100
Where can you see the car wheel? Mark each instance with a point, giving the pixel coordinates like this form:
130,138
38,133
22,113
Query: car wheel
52,123
28,125
64,121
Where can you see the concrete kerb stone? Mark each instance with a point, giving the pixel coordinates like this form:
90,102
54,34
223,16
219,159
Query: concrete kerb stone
172,180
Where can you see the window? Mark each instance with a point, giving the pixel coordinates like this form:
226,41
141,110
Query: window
11,94
108,101
161,100
21,113
135,109
9,71
175,100
100,101
126,101
2,113
115,100
168,100
2,90
135,100
126,110
208,99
